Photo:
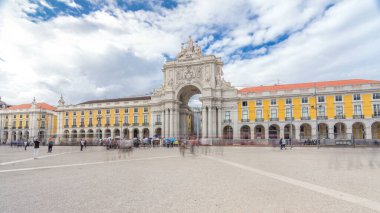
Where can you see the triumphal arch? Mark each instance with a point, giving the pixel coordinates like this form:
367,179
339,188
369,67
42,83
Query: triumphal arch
192,73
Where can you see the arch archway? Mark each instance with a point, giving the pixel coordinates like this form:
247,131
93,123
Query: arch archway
274,131
358,131
19,135
259,132
126,134
228,132
107,133
145,133
66,135
90,135
323,130
5,136
82,134
340,131
158,132
99,134
189,99
375,127
136,133
289,130
13,138
116,132
305,131
245,132
74,135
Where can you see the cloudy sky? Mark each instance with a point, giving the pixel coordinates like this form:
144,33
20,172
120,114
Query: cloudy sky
93,49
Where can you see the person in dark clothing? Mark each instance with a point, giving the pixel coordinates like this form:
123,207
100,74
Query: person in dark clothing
36,148
85,143
81,145
50,145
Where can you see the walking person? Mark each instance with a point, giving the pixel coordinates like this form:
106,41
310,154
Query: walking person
283,143
25,144
81,144
36,148
50,145
85,143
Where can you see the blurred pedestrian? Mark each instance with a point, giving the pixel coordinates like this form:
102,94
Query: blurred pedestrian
25,144
36,148
85,143
50,145
81,144
283,143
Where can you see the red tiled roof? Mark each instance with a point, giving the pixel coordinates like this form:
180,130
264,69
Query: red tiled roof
28,106
309,85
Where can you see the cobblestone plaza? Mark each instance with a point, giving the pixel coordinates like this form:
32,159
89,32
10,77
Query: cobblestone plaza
215,179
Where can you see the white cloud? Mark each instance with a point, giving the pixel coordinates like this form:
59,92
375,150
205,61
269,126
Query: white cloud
113,53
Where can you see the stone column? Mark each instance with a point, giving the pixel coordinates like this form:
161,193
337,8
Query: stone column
204,122
210,122
368,132
171,123
297,132
9,136
220,123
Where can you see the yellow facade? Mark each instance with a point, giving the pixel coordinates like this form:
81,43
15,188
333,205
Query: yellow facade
366,101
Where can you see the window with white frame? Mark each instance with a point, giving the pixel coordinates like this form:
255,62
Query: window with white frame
126,119
117,111
43,116
338,98
259,102
357,109
126,110
14,116
99,112
74,121
227,115
27,116
20,116
288,112
136,110
305,100
81,121
321,110
339,110
90,112
158,118
26,123
74,113
305,112
82,112
259,113
244,103
42,124
67,114
20,123
108,111
116,120
14,123
357,97
321,99
376,109
145,119
107,120
135,119
66,122
288,101
245,114
273,113
273,101
145,109
90,121
376,96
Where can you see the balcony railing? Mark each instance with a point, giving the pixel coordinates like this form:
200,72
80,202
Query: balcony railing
145,124
259,119
116,124
107,125
66,126
376,116
244,120
74,126
89,125
322,117
227,121
81,125
358,116
305,118
158,123
289,119
273,119
125,124
340,117
135,124
20,127
98,125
